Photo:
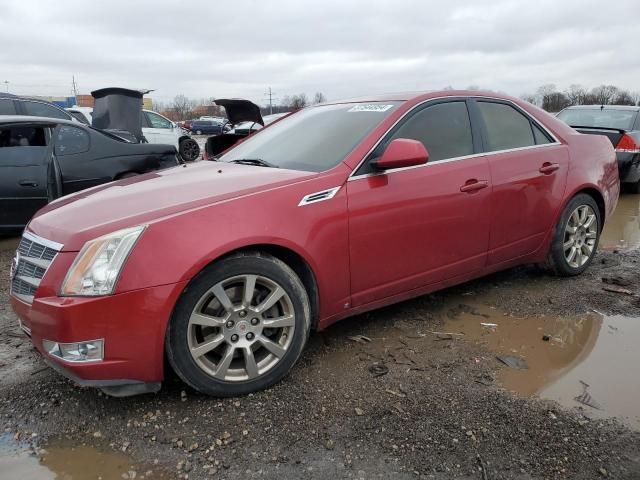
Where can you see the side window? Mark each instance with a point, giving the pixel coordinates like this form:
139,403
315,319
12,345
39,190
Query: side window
444,129
7,107
38,109
506,127
22,146
157,121
71,140
540,136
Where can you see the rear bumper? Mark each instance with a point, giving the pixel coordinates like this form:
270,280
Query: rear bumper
132,325
629,167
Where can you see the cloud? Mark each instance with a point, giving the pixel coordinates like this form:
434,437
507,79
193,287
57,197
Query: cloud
344,49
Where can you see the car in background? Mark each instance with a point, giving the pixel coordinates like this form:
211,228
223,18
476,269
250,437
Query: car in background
207,127
156,128
42,159
245,128
621,125
15,105
223,268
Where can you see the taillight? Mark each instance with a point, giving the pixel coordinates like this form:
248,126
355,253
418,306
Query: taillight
627,145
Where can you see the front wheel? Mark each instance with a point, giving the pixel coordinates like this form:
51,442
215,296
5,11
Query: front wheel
240,326
576,236
189,149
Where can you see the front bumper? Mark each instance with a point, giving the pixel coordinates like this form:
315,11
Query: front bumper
132,325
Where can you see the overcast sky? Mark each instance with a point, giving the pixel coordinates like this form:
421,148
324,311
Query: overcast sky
238,48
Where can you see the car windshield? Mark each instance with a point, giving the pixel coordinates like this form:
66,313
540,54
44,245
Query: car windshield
598,118
314,139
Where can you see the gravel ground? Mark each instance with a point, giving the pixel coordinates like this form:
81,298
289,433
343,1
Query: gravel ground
432,415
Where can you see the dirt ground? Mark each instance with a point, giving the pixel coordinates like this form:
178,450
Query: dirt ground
402,402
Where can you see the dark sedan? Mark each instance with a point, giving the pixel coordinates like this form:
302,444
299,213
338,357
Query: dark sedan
45,158
621,125
206,127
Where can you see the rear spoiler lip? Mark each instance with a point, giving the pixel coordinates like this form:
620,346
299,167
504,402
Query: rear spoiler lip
582,127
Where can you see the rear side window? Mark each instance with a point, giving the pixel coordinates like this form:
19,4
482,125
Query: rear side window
38,109
7,107
444,129
71,140
506,127
539,135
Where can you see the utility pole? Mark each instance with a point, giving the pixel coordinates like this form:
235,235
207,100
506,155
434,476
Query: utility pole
271,96
6,84
75,87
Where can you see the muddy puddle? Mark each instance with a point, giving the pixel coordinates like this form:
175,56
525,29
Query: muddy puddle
588,361
65,462
622,230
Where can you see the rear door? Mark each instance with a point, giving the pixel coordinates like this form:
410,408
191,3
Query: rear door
411,227
78,168
23,173
528,173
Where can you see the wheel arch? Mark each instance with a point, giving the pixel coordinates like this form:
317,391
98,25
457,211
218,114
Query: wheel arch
296,261
594,193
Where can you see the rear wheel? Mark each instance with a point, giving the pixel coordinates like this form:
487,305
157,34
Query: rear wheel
240,326
189,149
576,236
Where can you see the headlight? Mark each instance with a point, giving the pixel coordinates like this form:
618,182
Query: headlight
96,269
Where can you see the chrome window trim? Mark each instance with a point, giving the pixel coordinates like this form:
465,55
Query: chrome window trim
555,141
43,241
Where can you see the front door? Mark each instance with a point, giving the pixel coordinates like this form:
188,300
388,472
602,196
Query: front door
158,129
23,173
529,173
415,226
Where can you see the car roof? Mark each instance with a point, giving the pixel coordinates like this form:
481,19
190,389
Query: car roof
7,119
632,108
423,95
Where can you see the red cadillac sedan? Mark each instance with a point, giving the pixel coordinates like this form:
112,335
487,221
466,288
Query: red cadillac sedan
224,267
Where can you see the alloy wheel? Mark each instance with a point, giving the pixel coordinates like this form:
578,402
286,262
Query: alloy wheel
241,328
580,235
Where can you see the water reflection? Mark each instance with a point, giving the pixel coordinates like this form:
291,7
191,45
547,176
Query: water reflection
622,230
69,463
587,361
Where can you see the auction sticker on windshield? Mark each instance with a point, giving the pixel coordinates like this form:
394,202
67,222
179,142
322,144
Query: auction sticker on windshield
371,107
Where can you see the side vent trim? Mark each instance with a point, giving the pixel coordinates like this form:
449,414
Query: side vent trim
320,196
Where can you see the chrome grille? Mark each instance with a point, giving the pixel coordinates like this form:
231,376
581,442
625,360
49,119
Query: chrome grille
31,262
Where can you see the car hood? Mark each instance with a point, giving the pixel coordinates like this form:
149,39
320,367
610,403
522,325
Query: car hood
76,218
239,110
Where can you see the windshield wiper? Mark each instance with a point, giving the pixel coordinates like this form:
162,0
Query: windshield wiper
254,161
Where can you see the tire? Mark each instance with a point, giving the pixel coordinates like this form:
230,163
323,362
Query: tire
584,242
189,149
208,344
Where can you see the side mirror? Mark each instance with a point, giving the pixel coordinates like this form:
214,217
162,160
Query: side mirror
402,152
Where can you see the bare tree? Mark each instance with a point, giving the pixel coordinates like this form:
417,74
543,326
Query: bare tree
576,94
182,106
528,97
319,98
623,97
299,101
636,98
604,94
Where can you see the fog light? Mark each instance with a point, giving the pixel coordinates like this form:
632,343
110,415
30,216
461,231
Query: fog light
90,351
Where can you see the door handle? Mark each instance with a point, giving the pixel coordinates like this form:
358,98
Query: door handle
28,183
474,185
548,168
